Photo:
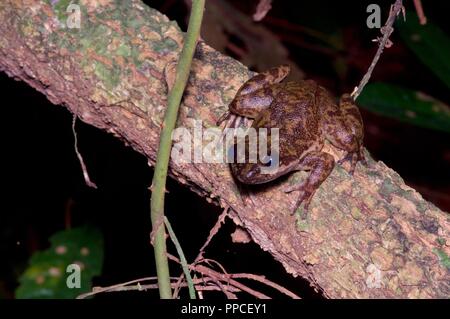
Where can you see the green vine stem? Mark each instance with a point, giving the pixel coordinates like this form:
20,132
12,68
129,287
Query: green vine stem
165,145
183,260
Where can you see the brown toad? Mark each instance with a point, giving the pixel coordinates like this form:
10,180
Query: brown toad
306,115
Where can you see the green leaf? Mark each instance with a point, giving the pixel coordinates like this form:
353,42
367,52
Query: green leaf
429,43
406,105
46,275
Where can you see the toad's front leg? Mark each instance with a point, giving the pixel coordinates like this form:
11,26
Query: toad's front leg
321,165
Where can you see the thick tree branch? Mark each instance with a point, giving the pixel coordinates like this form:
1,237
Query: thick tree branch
368,235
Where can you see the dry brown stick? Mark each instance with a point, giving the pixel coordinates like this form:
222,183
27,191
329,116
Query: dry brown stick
258,278
267,282
97,290
225,277
199,285
262,9
222,277
225,289
210,261
87,179
178,285
214,230
229,292
386,31
420,12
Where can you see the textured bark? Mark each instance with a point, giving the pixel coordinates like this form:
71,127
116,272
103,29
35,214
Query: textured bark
368,235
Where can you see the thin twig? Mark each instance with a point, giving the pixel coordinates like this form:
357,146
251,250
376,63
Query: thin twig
165,145
387,30
222,277
209,261
177,287
262,9
183,261
229,290
226,289
97,290
420,13
228,278
267,282
199,285
258,278
209,276
87,179
214,230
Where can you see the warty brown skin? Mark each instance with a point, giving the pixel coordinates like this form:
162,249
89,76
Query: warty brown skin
306,115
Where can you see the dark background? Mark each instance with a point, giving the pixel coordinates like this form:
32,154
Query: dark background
43,190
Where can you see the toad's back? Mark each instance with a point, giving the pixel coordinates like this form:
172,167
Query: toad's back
294,112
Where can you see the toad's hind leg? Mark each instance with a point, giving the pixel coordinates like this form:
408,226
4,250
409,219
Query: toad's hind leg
343,127
321,165
353,121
